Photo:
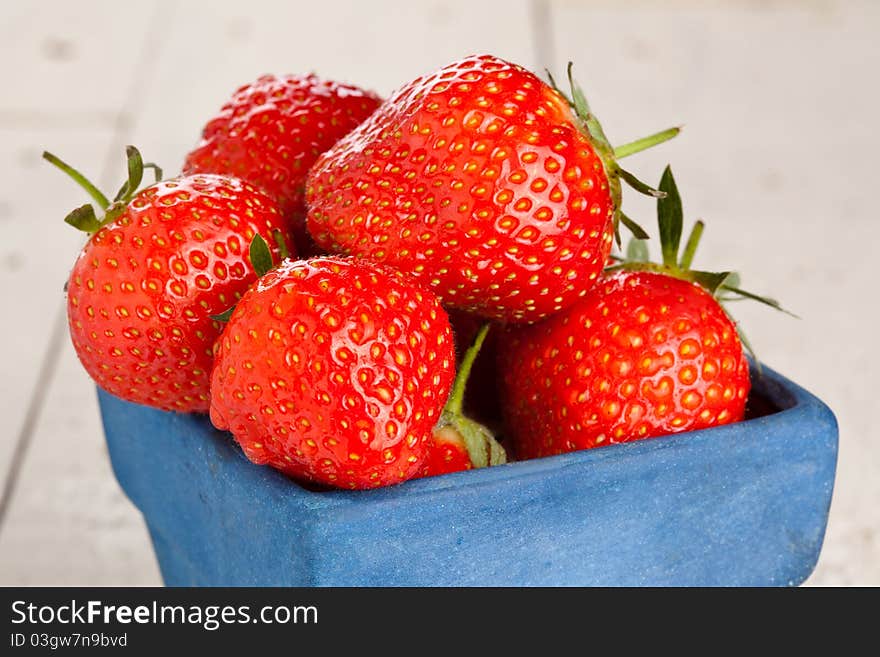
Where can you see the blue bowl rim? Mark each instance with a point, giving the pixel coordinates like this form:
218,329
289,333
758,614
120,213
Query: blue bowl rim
790,399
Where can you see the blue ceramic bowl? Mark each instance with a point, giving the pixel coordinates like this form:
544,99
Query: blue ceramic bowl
743,504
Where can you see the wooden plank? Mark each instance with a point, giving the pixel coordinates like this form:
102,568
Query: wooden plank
66,63
67,71
36,254
63,91
378,45
778,155
70,524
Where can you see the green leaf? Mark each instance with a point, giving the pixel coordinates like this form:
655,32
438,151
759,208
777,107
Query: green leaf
732,280
556,87
644,143
224,316
157,170
690,247
122,193
135,174
482,447
261,257
637,251
83,218
708,279
582,108
637,231
767,301
135,166
638,185
670,218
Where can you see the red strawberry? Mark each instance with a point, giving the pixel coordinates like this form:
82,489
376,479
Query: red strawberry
459,442
481,181
271,131
156,267
644,354
447,453
334,371
650,351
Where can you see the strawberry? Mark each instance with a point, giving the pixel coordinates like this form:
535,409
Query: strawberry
155,267
459,442
447,452
483,183
650,351
272,130
334,371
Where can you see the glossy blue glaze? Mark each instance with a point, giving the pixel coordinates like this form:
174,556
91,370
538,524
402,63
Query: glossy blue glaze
744,504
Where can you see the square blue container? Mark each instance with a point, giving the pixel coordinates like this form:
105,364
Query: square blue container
743,504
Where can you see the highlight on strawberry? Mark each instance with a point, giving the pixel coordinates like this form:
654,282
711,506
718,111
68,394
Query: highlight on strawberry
158,263
483,182
650,351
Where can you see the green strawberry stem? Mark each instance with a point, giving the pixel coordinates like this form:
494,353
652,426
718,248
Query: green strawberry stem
481,445
690,247
84,218
456,398
80,179
645,143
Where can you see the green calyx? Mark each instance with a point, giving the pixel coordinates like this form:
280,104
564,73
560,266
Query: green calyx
676,262
592,129
85,217
481,445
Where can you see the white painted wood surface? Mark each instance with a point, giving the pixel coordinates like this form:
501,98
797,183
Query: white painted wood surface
780,110
330,39
69,523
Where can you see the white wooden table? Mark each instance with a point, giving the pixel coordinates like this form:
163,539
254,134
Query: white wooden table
780,104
